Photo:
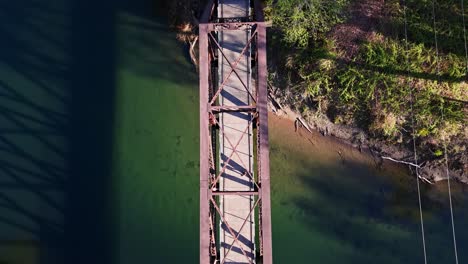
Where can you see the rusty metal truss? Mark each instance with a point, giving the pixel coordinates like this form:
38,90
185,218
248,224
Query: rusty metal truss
210,214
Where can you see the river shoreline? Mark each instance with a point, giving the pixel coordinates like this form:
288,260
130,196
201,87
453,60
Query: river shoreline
430,171
303,141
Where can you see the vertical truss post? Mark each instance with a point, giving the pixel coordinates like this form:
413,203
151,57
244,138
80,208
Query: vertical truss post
204,147
263,155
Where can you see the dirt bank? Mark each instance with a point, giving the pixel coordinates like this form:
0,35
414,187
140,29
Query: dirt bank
331,150
430,171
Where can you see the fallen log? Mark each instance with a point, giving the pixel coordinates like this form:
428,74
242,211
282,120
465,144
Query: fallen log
401,161
424,179
192,51
410,164
304,124
277,104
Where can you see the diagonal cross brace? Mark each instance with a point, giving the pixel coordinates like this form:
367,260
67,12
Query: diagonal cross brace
233,68
240,229
234,149
240,159
230,229
237,154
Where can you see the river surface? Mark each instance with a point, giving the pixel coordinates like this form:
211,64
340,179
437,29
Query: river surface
134,99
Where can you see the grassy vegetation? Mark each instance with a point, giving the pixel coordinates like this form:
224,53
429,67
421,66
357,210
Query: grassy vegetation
305,21
375,89
377,81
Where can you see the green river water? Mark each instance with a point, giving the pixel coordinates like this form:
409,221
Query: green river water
141,205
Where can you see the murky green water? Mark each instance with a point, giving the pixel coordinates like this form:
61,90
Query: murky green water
349,212
156,157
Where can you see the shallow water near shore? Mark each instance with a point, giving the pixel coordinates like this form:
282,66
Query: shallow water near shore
335,204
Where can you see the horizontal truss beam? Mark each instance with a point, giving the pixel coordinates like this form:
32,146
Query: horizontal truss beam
238,109
233,25
218,193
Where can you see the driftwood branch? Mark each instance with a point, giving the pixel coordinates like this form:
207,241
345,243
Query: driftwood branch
273,99
410,164
401,161
192,51
424,179
304,124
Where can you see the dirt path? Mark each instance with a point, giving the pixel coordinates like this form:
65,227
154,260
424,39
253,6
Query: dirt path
364,16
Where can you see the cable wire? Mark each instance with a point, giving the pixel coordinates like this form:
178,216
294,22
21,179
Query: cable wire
414,137
464,33
444,140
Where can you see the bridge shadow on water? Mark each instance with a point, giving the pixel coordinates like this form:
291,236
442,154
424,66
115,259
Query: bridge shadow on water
57,88
56,93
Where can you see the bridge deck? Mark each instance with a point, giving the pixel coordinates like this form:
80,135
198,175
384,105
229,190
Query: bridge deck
236,127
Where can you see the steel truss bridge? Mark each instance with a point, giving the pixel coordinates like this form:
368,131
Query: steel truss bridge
235,221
